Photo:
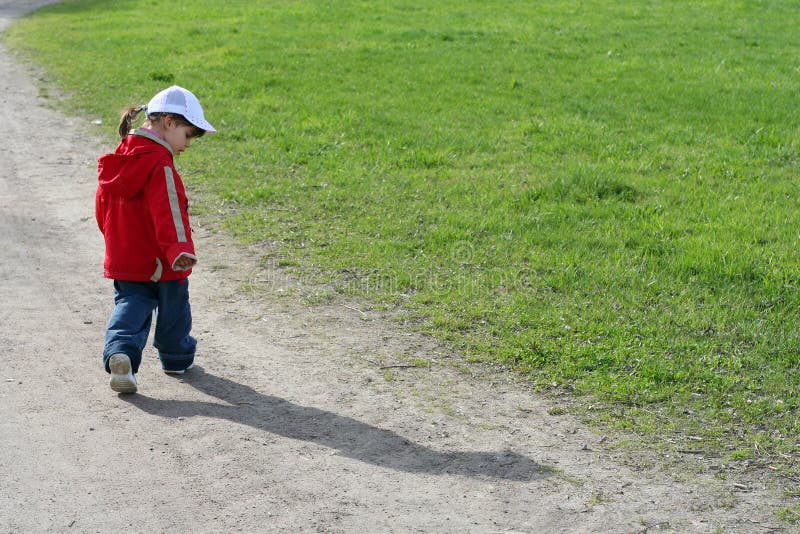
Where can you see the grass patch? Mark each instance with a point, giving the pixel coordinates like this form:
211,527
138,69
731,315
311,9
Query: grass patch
790,514
603,195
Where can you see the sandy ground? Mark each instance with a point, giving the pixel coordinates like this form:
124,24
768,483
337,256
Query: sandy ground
294,418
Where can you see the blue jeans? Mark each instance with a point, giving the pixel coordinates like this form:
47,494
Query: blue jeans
129,325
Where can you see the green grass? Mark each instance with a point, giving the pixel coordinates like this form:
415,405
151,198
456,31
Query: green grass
602,194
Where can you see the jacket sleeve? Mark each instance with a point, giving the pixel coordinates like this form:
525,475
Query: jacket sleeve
99,212
166,199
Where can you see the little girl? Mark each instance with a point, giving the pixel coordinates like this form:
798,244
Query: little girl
142,211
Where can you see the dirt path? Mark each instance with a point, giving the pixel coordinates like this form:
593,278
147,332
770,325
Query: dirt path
288,422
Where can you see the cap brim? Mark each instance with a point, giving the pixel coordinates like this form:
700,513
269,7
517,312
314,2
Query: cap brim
204,125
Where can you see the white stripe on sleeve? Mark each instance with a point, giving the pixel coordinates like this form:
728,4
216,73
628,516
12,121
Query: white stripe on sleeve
174,206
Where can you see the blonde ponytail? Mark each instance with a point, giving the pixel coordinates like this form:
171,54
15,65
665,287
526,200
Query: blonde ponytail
127,118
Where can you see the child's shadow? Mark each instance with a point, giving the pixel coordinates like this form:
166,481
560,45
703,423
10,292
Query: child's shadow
351,438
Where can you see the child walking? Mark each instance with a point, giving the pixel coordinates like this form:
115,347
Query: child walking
142,212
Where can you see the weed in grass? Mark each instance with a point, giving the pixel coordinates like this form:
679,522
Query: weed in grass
741,454
420,362
597,498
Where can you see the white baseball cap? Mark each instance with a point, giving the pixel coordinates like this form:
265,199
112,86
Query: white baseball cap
180,101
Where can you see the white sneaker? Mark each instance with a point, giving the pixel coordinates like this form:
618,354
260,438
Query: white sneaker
180,371
122,378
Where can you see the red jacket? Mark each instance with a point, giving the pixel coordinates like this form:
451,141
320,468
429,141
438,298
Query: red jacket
142,211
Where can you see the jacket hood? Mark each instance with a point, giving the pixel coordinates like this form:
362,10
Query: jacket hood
126,170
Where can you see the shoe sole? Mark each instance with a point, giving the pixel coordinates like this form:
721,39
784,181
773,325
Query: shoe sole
180,372
122,379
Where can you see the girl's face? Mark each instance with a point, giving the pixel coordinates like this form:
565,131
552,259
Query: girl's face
178,135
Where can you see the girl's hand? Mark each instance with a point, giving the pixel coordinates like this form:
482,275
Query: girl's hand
184,262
